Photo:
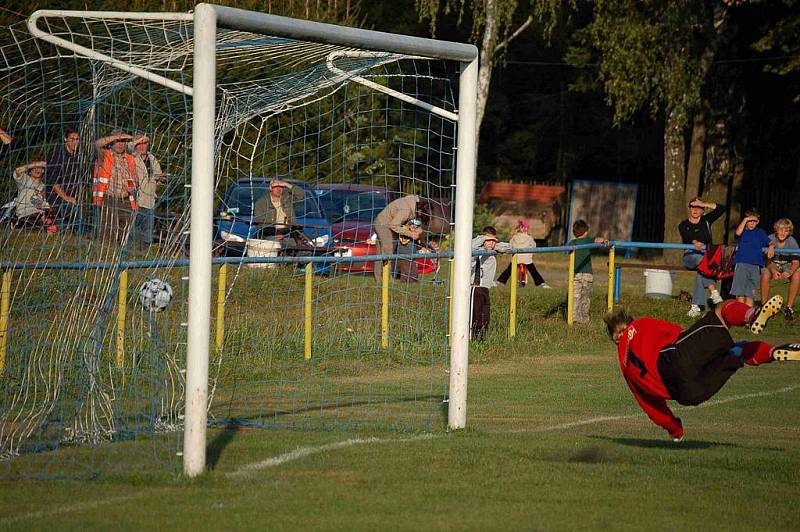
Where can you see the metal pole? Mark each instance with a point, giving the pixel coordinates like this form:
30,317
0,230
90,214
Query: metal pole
308,310
385,304
222,282
512,306
610,299
571,288
5,299
462,249
122,305
203,111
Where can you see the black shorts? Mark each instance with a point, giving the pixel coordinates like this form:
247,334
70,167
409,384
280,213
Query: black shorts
699,363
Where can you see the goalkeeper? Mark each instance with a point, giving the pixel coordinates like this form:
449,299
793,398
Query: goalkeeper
660,362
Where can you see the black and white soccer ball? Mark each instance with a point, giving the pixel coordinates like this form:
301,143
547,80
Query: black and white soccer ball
155,295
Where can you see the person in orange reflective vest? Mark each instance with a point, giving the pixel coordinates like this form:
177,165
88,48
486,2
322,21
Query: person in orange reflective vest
114,187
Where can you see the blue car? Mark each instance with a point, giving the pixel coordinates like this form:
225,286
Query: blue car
235,227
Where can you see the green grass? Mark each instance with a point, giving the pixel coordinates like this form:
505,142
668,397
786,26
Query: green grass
554,439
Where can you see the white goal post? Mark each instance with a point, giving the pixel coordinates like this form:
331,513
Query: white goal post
207,19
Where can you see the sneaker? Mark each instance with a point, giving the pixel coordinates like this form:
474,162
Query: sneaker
715,297
694,312
788,313
786,352
764,313
545,286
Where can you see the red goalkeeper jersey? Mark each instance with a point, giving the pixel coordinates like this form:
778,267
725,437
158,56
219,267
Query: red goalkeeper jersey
639,348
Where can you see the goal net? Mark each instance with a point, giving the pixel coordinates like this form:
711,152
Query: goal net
290,332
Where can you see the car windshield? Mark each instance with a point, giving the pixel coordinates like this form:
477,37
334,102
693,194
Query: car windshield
352,205
243,197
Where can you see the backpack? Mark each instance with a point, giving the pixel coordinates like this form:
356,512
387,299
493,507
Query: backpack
717,261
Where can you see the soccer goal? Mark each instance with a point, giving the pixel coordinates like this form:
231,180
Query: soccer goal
95,353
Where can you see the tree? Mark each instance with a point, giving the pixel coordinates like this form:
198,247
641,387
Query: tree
656,55
493,29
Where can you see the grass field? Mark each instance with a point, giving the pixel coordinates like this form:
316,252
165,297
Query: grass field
554,441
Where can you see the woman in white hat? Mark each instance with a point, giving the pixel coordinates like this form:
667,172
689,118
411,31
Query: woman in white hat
32,209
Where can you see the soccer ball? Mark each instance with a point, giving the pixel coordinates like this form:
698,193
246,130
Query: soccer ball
155,295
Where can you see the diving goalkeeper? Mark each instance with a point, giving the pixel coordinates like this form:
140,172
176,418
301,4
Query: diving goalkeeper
661,362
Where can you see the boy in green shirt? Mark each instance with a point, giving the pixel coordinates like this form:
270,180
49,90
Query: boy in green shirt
582,285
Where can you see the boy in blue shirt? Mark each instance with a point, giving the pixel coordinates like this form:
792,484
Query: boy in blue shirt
749,258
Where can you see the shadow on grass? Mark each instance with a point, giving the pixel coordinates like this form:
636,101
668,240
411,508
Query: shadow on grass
559,309
220,441
665,444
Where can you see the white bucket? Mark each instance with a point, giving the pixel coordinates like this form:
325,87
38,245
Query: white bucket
658,284
262,248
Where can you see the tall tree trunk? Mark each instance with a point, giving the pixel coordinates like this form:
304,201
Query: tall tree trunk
720,180
486,63
696,157
674,180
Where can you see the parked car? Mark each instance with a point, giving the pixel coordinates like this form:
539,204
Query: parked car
352,209
235,227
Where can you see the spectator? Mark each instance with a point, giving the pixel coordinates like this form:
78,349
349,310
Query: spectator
148,176
584,275
782,265
32,209
393,220
696,230
521,239
749,258
66,177
5,140
406,269
660,362
482,275
114,187
276,209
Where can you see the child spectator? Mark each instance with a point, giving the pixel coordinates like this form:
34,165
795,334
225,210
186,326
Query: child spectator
522,239
31,206
783,265
749,258
482,275
584,278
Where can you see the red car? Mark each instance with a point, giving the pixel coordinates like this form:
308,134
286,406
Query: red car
351,210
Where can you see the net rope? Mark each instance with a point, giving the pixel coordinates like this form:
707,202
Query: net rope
85,366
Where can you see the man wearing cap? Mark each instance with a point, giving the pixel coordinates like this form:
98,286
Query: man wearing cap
276,208
30,204
114,187
696,230
148,177
65,176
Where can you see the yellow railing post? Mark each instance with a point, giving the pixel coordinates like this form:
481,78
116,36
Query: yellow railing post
512,306
611,258
571,288
222,282
122,306
385,306
308,310
5,299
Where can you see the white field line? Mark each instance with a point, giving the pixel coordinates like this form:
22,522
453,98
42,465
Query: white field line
601,419
302,452
69,508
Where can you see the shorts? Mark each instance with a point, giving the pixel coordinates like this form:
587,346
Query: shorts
700,361
746,279
782,267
